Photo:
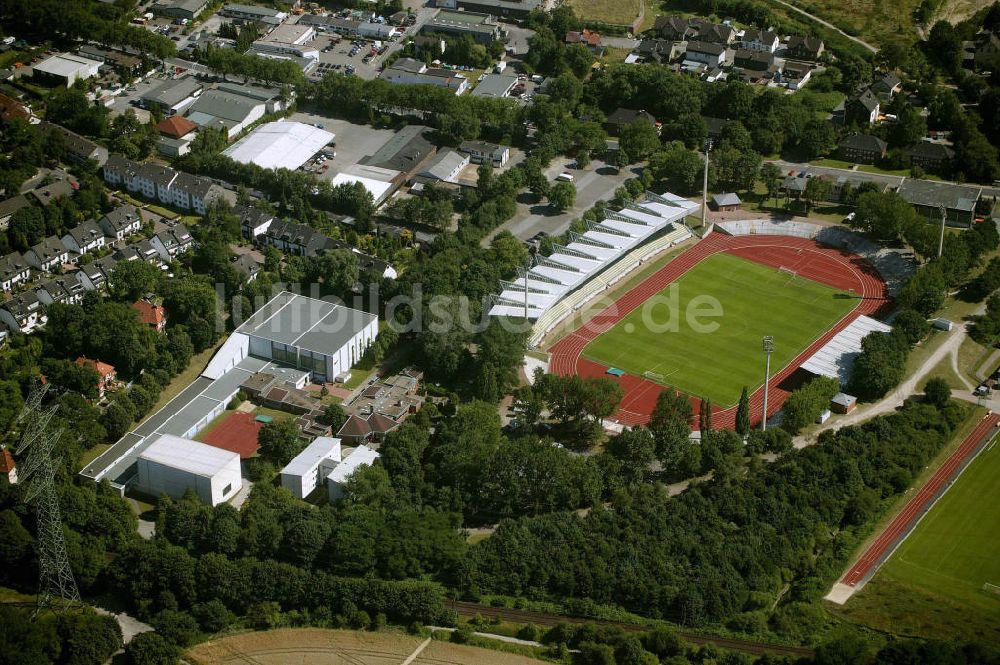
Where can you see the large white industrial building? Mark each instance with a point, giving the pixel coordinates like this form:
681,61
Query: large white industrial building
171,465
66,69
280,145
307,469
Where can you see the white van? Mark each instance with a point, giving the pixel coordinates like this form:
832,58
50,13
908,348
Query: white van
565,177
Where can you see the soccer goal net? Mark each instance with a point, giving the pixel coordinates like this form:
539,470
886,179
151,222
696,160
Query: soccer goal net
991,588
788,271
653,376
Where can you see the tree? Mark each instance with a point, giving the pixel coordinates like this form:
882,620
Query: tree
743,414
879,367
770,175
562,195
806,403
334,416
132,280
150,649
670,423
817,190
681,169
639,139
937,392
635,450
279,441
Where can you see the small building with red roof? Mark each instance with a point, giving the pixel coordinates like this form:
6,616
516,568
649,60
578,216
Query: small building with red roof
176,135
355,431
106,375
7,466
154,316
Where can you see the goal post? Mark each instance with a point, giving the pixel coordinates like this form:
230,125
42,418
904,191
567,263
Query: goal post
788,271
654,376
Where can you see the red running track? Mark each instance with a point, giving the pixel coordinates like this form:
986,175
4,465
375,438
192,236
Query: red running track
806,257
907,519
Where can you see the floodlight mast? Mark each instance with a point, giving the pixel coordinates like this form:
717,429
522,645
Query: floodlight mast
768,346
944,218
704,188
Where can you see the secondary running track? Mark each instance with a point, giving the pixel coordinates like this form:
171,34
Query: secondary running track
910,515
808,258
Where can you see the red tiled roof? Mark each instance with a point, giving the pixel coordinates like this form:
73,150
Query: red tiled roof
6,461
176,126
585,37
381,424
11,109
151,315
355,427
102,369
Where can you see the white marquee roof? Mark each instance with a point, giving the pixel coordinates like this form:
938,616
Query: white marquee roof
280,145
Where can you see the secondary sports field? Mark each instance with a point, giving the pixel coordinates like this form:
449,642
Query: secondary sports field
755,300
953,550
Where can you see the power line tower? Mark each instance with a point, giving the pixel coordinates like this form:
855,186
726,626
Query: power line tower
55,578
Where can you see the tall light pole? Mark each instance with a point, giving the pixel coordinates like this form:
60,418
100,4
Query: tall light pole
704,187
944,218
768,344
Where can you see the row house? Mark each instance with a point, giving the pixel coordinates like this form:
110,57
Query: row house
14,270
296,239
47,255
140,251
711,54
173,242
95,275
23,312
162,183
763,41
86,237
121,222
65,290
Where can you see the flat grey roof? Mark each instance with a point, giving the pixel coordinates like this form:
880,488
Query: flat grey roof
494,85
306,323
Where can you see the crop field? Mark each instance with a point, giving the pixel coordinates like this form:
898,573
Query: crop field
755,300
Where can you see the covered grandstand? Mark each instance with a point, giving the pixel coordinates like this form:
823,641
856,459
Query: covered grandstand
552,278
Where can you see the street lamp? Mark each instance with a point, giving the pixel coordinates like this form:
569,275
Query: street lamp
768,345
944,218
704,189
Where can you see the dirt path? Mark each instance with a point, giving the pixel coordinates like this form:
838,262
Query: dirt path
416,652
827,24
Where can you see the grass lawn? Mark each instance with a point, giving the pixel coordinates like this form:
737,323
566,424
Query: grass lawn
161,211
755,301
185,378
617,12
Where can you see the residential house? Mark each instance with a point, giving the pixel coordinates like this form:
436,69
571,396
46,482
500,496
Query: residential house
930,156
707,53
806,48
143,250
154,181
253,221
760,40
128,65
9,207
795,74
660,51
172,243
65,290
297,239
95,275
758,61
592,40
47,255
11,109
14,270
78,149
481,151
862,109
712,33
23,313
673,28
928,197
63,187
8,468
247,266
887,86
151,314
623,116
861,149
86,237
120,223
106,375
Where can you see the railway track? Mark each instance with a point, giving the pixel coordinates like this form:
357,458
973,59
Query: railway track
544,619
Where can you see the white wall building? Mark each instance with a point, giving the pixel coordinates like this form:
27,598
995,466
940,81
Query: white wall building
171,465
359,457
306,470
66,69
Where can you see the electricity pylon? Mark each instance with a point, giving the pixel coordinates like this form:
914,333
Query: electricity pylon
55,578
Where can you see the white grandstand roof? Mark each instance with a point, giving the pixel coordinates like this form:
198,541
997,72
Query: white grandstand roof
196,458
279,145
837,356
570,266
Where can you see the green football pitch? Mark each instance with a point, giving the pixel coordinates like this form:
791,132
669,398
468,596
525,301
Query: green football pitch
953,551
754,301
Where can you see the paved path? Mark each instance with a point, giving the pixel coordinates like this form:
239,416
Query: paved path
413,656
903,524
827,24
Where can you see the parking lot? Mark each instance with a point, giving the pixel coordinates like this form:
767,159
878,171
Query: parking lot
353,141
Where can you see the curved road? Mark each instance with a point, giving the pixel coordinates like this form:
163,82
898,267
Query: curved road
827,24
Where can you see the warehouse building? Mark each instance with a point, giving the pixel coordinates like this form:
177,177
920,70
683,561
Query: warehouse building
280,145
234,108
171,465
65,69
483,28
179,8
171,97
309,468
253,13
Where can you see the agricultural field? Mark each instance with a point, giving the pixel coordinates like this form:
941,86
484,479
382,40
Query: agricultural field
340,647
755,300
616,12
